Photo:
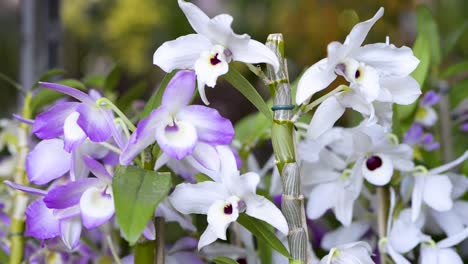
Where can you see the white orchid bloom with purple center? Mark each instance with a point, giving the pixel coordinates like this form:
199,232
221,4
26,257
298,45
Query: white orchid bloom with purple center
223,201
176,126
426,115
210,50
352,253
434,188
76,121
362,66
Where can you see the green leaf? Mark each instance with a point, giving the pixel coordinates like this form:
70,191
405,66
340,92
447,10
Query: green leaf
252,128
94,81
112,79
155,100
458,93
202,178
422,51
453,37
245,88
224,260
263,232
48,75
3,257
455,69
427,26
136,91
137,193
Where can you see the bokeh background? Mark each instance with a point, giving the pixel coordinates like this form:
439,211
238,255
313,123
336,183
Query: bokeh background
95,35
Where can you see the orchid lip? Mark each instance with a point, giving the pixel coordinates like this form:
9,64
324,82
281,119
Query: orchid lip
228,209
214,60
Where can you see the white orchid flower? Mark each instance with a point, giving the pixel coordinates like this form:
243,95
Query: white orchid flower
210,50
352,253
442,251
434,188
345,234
223,201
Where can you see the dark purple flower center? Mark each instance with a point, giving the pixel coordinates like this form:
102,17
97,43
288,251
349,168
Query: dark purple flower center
171,128
228,209
214,60
373,163
357,74
242,261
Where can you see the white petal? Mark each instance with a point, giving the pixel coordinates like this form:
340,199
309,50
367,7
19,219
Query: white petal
360,30
314,79
449,221
196,17
460,184
210,65
261,208
437,192
368,80
176,139
72,133
378,169
453,240
449,165
208,237
426,116
228,162
397,257
70,232
403,91
429,255
97,206
417,197
328,112
254,52
321,199
405,235
344,235
344,205
181,53
388,60
197,198
449,255
222,213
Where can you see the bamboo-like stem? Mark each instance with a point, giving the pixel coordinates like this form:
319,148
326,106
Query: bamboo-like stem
160,237
292,204
382,216
20,199
144,252
445,123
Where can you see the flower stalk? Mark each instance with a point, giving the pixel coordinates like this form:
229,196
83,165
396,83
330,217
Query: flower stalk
20,199
292,204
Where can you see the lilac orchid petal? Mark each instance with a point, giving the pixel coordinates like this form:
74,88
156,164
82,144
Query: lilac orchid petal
429,99
97,207
211,126
179,91
47,161
23,120
70,232
184,244
150,231
78,169
25,189
143,136
73,135
75,93
49,124
97,169
68,195
94,122
176,139
40,221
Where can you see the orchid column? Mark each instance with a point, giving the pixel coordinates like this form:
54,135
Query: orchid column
282,134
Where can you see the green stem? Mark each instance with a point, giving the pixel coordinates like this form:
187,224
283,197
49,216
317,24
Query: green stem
113,251
144,252
160,237
107,103
20,199
382,216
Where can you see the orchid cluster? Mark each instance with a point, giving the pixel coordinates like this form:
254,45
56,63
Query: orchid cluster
85,177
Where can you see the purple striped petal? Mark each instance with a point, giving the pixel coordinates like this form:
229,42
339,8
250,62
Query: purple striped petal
40,222
47,161
97,169
211,126
75,93
179,91
68,195
143,136
49,124
94,122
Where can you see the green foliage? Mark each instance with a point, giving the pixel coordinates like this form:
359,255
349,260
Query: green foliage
453,38
137,193
155,100
135,92
455,69
263,232
46,96
427,26
246,89
422,51
202,178
48,75
224,260
112,80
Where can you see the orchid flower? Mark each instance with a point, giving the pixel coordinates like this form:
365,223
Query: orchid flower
415,136
352,253
345,234
442,251
434,188
176,126
210,50
426,115
223,201
76,121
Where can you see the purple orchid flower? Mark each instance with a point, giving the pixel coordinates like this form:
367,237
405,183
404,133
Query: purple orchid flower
76,121
176,126
415,136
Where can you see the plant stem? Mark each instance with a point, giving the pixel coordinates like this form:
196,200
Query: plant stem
20,199
445,123
144,252
160,237
292,204
107,103
382,216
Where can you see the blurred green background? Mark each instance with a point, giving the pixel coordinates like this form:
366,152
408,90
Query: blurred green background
98,34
